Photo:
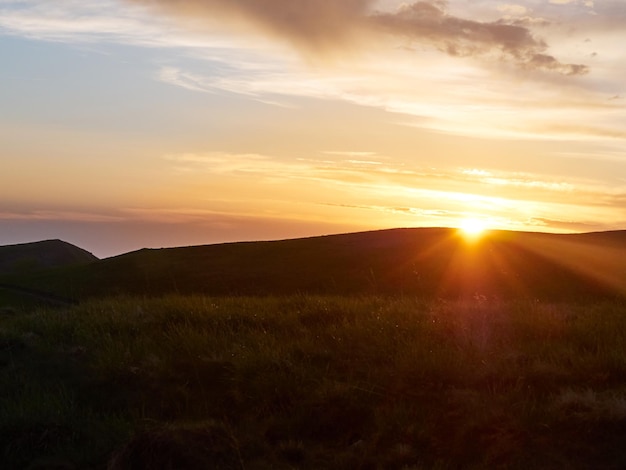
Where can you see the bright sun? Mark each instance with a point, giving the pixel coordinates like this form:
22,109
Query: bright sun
473,228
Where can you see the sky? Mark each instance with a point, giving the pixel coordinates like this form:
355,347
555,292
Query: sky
153,123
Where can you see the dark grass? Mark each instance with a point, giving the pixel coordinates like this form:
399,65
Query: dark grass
12,302
310,382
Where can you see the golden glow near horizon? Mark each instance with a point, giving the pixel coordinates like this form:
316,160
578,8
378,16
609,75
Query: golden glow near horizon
131,123
473,228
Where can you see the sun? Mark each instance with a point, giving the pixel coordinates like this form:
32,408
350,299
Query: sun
472,228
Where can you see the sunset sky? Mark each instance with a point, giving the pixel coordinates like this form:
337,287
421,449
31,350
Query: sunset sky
150,123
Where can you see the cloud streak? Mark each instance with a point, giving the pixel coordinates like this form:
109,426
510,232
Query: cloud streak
322,26
381,176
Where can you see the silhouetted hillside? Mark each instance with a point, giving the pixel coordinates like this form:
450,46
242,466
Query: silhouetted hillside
25,257
429,262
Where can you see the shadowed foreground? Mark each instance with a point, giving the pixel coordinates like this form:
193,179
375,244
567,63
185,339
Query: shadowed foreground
314,382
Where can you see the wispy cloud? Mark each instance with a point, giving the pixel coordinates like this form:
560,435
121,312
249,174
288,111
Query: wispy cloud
354,154
91,21
67,20
570,225
382,179
60,215
175,76
519,180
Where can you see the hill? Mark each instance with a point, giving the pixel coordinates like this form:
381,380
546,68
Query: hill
428,262
26,257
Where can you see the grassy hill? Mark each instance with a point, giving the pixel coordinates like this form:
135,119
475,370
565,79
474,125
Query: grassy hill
28,259
428,262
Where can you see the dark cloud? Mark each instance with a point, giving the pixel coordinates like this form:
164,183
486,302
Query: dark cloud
322,25
547,62
309,24
428,22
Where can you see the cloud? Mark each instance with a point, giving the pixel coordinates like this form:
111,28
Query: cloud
320,26
309,24
65,215
429,22
177,77
55,21
392,179
569,225
512,9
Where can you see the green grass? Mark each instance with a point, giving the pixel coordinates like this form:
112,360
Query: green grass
12,302
314,382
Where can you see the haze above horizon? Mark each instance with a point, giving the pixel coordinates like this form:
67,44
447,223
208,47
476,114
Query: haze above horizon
132,123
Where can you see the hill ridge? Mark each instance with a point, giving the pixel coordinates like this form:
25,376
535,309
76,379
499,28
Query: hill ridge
427,262
43,254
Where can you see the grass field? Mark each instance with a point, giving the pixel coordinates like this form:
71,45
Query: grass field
313,383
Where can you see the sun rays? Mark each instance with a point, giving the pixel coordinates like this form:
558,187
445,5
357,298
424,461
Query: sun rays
473,228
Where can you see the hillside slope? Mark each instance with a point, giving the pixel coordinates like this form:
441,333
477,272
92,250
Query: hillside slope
429,262
19,262
26,257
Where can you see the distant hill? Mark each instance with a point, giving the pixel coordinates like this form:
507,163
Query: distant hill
26,257
429,262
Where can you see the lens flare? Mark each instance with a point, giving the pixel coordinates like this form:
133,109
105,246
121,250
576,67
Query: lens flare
473,228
